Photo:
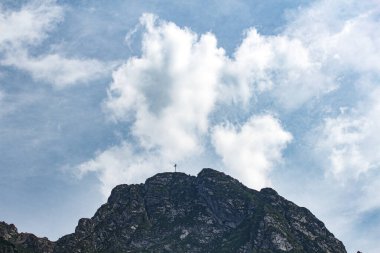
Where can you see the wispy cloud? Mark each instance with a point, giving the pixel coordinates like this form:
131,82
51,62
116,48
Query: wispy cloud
58,70
30,26
120,164
348,142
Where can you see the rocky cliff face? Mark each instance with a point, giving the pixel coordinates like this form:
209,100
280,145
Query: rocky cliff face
13,242
174,212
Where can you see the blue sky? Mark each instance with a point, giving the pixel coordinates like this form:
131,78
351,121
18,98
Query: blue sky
275,93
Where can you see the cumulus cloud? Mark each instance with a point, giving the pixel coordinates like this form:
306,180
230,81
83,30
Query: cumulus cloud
29,26
166,96
167,93
170,90
250,151
280,65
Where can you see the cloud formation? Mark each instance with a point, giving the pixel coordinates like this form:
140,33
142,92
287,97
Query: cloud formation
280,65
251,150
170,90
348,142
344,35
167,94
30,26
343,138
58,70
120,164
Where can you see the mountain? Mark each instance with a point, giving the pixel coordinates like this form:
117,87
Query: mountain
212,212
11,241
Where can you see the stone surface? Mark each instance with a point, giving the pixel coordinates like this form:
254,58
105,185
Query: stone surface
12,241
175,212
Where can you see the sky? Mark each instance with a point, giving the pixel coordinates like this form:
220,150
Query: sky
276,93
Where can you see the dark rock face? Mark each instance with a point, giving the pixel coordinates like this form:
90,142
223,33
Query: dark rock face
174,212
13,242
6,246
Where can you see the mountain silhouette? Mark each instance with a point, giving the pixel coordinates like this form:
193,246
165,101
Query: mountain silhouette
175,212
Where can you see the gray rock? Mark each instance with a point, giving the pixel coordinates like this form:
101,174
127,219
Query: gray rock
175,212
12,241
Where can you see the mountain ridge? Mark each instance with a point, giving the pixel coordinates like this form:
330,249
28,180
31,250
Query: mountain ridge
210,212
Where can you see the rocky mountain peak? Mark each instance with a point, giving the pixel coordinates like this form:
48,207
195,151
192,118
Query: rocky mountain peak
210,212
13,242
8,231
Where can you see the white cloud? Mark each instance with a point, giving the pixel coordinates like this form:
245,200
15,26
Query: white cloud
347,148
341,138
250,151
168,93
318,47
121,164
170,90
350,138
29,26
344,38
280,65
336,33
58,70
349,145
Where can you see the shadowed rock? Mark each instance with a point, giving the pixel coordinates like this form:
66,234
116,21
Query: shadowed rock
175,212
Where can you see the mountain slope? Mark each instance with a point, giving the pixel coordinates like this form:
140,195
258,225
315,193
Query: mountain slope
174,212
11,241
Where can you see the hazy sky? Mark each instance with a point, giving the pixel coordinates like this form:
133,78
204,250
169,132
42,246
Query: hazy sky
279,93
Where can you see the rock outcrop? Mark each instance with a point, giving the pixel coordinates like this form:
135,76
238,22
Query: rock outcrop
12,241
175,212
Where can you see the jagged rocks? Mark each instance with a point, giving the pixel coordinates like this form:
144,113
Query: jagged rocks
12,241
7,247
174,212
